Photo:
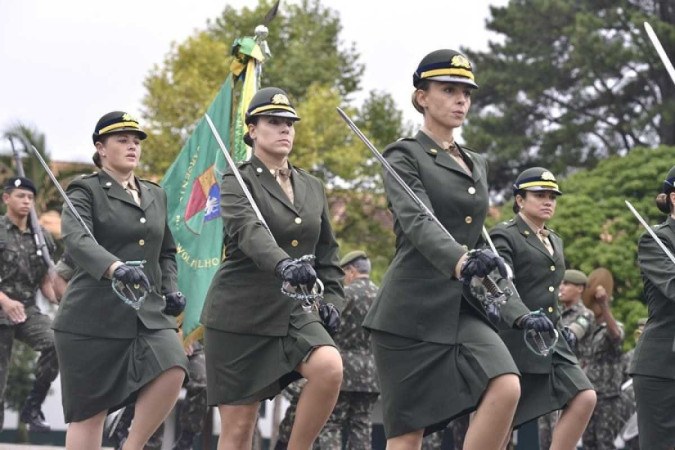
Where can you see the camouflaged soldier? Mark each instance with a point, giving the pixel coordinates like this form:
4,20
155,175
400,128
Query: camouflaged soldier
22,273
359,390
605,370
580,320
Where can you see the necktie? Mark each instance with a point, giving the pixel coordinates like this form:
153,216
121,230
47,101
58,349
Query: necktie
134,193
452,150
283,177
543,237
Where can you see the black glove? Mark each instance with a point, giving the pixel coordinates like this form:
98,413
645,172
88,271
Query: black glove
131,276
570,337
494,313
296,272
330,316
480,263
536,321
175,303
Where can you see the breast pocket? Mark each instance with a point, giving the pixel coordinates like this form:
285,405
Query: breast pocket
10,262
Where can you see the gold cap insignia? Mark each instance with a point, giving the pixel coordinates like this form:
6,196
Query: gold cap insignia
128,118
280,99
460,61
548,176
17,183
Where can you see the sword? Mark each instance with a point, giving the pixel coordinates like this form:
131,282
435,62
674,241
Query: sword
124,292
500,296
308,298
659,49
651,232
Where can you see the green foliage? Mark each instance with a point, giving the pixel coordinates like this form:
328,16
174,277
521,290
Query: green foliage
600,231
569,83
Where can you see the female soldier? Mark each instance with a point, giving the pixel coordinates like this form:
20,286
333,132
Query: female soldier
653,366
535,253
257,340
437,355
111,354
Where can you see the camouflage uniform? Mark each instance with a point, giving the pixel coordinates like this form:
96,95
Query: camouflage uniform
459,427
605,370
585,320
359,390
21,273
292,393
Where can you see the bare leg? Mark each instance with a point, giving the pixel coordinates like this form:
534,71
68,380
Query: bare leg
86,434
237,423
153,405
408,441
323,371
573,421
491,425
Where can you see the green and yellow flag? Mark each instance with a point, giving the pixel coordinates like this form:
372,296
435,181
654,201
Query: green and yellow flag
192,186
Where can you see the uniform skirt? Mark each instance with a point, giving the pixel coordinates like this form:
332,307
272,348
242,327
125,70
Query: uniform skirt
424,385
99,374
541,394
655,399
245,368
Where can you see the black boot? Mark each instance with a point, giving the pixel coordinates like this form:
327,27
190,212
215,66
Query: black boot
185,441
31,413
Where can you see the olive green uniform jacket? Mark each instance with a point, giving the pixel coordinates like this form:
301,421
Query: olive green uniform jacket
655,351
537,276
419,297
245,296
124,231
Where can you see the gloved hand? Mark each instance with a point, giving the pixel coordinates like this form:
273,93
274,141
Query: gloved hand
296,272
330,316
175,303
536,321
480,263
494,313
131,276
570,337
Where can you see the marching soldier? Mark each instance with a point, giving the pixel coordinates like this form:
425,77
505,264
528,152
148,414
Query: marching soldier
359,390
580,321
22,273
653,367
552,381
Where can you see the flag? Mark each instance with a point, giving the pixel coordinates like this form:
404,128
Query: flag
247,66
192,186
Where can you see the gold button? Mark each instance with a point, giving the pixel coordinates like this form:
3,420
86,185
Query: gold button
259,170
526,233
294,243
108,184
465,248
550,309
433,151
298,220
143,220
552,268
468,219
472,190
141,242
551,289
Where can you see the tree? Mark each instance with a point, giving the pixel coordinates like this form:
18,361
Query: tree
570,82
600,231
306,52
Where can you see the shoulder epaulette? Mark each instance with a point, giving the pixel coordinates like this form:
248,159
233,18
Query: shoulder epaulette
149,181
89,175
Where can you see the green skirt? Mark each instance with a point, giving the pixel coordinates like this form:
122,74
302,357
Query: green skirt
245,368
655,400
99,374
424,385
542,393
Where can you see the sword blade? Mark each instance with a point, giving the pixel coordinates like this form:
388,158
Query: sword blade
651,232
659,49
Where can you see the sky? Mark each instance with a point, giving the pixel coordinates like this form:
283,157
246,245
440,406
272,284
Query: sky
63,64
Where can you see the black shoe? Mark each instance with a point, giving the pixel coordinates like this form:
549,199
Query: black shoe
184,442
32,416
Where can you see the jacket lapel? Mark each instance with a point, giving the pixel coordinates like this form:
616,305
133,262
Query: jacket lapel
441,157
114,189
299,189
270,184
532,239
146,198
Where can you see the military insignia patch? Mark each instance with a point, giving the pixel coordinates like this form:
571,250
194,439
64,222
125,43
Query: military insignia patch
548,176
17,183
460,61
280,99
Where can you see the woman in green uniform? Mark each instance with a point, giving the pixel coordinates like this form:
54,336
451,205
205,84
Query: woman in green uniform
437,354
535,254
258,340
111,354
653,366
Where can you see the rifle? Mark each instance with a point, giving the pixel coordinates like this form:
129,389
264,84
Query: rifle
33,222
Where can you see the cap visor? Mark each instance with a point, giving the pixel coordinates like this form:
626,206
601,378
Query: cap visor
139,132
280,113
542,188
451,79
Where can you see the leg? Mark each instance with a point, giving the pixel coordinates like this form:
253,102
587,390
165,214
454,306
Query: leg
236,426
36,332
331,434
154,403
573,421
6,344
408,441
323,371
546,425
86,434
293,391
491,424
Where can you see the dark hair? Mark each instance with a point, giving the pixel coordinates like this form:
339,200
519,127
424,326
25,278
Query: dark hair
247,137
522,193
422,86
663,202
